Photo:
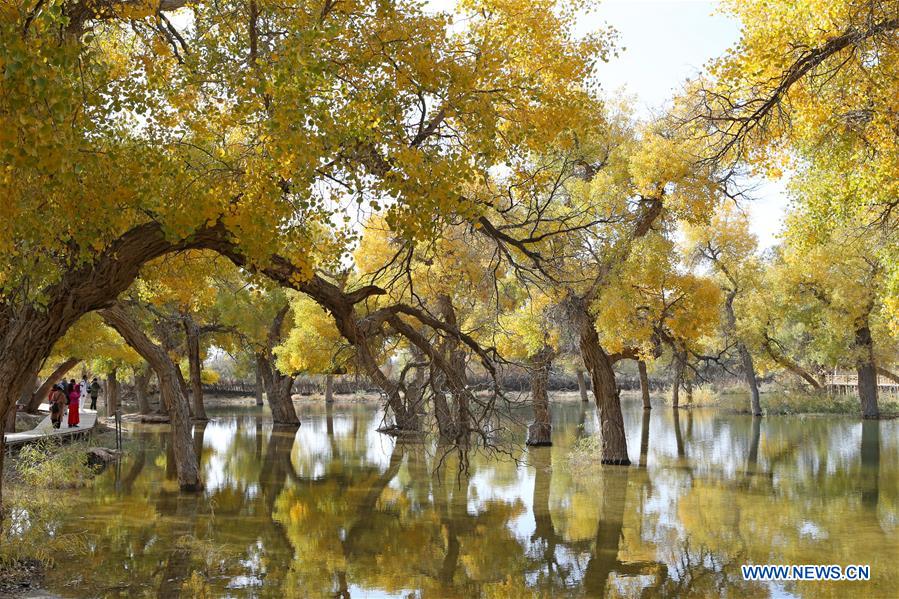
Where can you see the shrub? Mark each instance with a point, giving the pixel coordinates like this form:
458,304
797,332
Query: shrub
51,465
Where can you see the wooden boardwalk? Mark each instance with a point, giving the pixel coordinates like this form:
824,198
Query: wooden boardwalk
45,430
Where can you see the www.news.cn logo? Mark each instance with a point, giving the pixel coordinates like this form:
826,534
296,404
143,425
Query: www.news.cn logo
806,572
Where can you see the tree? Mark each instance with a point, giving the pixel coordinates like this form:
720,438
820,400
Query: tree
596,202
835,309
175,401
531,334
154,140
813,91
727,245
256,316
313,344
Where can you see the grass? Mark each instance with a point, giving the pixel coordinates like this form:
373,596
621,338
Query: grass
49,464
34,510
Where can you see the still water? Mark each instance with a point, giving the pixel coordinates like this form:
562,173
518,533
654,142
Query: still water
335,509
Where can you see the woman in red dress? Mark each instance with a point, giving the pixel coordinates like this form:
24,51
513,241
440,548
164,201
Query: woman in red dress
74,396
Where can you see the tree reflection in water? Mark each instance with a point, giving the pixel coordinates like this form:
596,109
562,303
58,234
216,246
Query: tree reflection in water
334,509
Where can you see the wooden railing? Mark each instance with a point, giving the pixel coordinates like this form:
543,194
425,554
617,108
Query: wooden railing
850,379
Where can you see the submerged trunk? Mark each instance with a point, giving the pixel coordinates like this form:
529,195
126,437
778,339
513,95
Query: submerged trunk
582,385
278,392
608,402
675,384
141,383
745,356
456,359
867,372
40,395
329,388
644,438
751,380
259,387
540,431
170,391
644,384
278,386
192,331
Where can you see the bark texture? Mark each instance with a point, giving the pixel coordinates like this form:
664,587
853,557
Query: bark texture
182,443
278,386
192,333
540,431
329,388
867,371
745,357
582,385
112,393
644,384
259,385
141,392
608,402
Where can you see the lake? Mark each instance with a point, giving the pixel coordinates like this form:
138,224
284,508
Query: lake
336,509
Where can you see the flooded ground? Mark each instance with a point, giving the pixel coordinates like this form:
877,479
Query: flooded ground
335,509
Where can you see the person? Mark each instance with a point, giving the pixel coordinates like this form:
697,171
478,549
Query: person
84,391
57,405
74,397
95,392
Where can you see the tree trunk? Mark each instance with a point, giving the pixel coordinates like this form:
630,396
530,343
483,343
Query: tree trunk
455,357
675,384
582,385
404,420
40,395
278,392
185,390
192,331
329,388
605,389
112,393
867,372
688,387
644,384
170,390
446,427
644,438
259,385
540,431
678,436
141,382
745,356
751,380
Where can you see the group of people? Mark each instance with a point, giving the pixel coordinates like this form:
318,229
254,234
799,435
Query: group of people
68,397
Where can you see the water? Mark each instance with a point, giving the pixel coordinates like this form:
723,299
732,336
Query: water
338,510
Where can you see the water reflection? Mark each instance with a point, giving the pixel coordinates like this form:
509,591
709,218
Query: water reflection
333,508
